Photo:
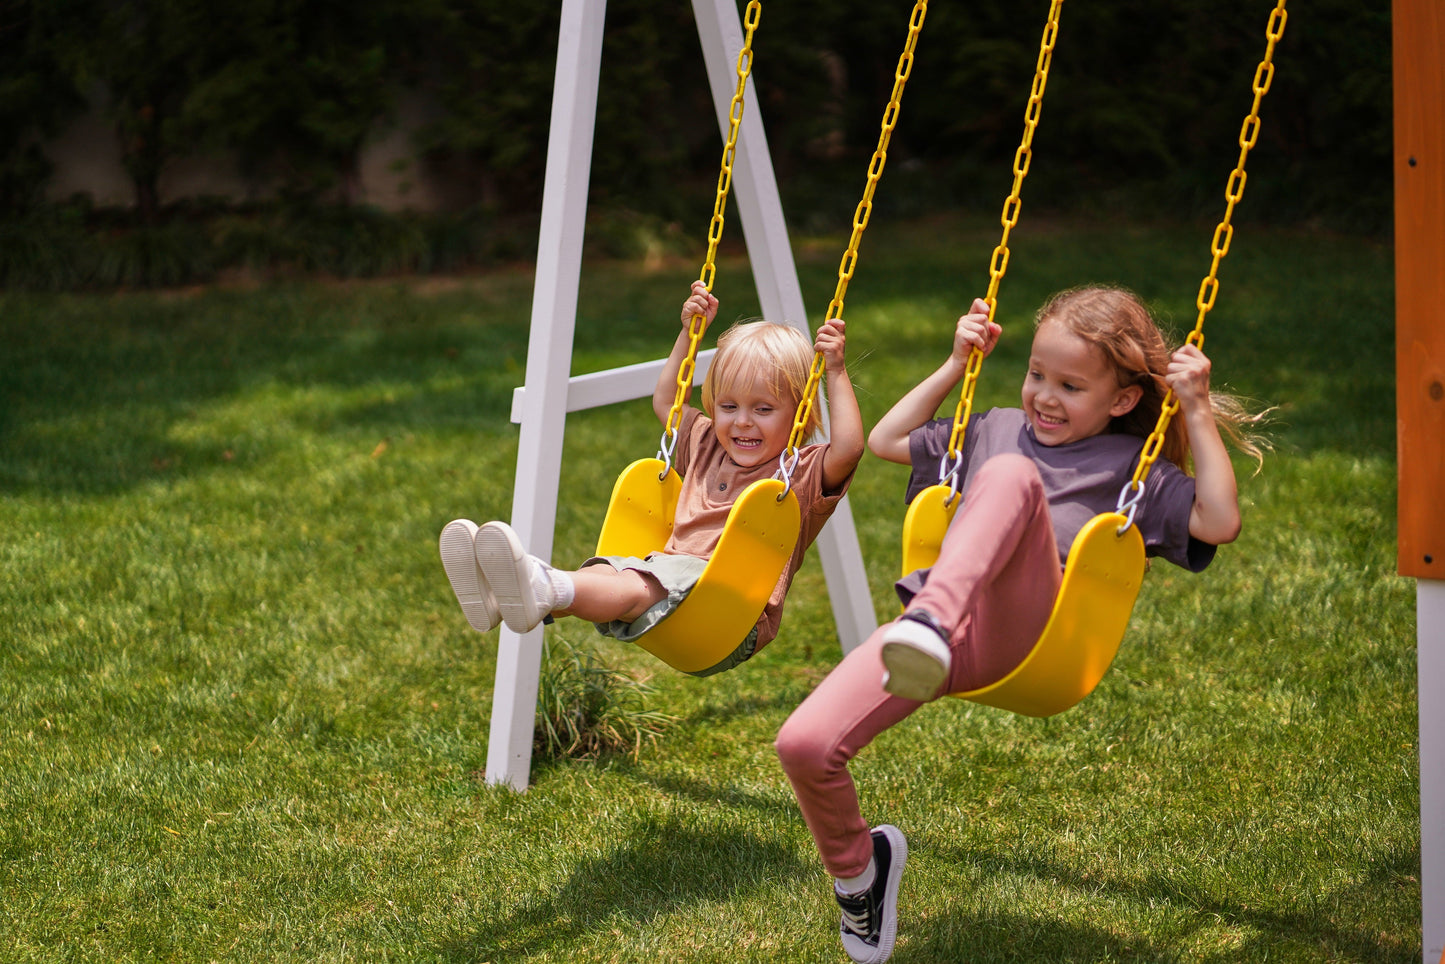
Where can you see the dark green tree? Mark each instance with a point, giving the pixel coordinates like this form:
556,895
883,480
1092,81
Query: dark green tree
37,95
306,82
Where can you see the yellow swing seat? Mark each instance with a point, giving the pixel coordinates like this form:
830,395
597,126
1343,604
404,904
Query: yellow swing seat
754,549
1091,613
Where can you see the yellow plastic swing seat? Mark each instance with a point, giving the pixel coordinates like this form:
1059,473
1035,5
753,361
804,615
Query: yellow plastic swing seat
756,544
1091,613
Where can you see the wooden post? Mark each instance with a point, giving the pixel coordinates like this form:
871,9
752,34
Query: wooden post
1419,79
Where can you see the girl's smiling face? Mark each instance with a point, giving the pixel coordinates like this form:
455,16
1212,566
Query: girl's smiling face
1070,391
752,423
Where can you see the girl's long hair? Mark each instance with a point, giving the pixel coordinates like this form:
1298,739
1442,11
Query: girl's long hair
1117,321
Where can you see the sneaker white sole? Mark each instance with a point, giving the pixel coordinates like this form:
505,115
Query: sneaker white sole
898,847
860,951
504,563
916,659
459,558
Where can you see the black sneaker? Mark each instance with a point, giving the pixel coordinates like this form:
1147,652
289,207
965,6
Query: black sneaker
870,919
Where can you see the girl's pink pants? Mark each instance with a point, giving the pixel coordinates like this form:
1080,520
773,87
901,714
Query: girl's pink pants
994,584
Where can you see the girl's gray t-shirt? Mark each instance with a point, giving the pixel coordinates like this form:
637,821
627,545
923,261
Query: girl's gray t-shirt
1081,480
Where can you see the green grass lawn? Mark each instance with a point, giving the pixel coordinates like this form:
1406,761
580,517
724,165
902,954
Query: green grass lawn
245,720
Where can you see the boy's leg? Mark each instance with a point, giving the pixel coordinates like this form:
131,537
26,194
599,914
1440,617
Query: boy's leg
604,594
527,590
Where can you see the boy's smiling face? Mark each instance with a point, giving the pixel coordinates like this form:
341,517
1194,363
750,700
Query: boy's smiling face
752,423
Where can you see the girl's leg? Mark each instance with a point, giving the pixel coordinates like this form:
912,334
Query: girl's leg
993,586
837,720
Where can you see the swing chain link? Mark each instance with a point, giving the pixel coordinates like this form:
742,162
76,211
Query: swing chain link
698,324
861,214
1219,245
998,263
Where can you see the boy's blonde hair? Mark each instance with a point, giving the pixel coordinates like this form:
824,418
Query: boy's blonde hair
1118,323
779,356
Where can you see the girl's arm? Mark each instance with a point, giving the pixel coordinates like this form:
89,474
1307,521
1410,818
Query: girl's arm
1215,516
700,302
845,422
889,438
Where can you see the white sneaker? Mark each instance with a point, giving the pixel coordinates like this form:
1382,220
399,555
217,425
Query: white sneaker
460,561
519,581
916,657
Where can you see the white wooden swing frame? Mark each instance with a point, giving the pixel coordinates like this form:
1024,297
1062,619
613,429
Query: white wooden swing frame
541,413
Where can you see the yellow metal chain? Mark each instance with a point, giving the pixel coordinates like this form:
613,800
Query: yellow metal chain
998,264
715,229
860,218
1223,233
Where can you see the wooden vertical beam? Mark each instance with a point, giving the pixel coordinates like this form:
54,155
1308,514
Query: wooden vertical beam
1419,79
1419,28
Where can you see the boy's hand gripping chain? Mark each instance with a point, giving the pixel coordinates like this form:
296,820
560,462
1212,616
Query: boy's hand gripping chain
714,235
789,459
953,458
1133,490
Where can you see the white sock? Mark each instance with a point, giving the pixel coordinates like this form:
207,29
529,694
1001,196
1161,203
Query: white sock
563,590
857,885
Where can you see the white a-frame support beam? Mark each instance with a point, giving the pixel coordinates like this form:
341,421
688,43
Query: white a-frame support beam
541,405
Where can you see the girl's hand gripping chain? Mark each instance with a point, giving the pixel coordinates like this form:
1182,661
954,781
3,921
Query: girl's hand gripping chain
974,330
1215,517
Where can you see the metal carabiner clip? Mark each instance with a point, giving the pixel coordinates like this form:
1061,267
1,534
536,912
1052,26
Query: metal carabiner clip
1129,500
949,474
786,466
666,444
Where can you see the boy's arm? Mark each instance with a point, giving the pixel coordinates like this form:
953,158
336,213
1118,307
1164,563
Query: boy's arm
664,393
1215,516
845,422
889,438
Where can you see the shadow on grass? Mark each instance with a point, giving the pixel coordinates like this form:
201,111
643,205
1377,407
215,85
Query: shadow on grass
104,394
1257,933
745,706
663,867
710,794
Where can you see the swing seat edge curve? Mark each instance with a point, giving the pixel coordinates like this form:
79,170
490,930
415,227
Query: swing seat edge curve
1101,582
752,552
1102,578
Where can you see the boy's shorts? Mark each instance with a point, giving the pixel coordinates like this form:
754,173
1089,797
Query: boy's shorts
677,574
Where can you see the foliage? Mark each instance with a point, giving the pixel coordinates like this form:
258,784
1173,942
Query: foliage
36,98
66,247
1142,112
587,710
